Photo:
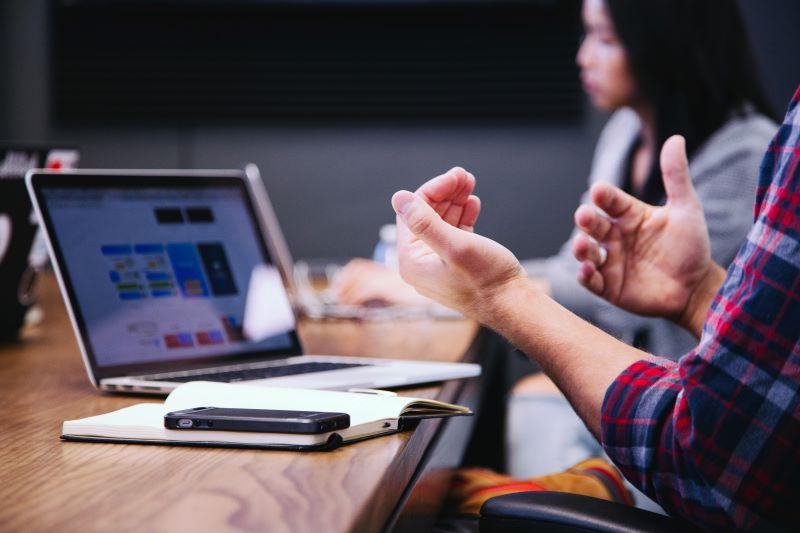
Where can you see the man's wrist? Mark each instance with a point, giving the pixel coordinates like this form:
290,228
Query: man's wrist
700,300
494,306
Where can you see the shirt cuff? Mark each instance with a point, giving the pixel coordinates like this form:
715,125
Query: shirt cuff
637,406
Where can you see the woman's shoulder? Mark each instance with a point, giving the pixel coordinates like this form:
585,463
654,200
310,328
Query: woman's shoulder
743,137
613,145
621,128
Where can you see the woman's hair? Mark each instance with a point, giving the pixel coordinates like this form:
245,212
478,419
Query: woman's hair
693,63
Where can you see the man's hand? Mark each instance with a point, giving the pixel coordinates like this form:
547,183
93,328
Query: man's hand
440,255
654,260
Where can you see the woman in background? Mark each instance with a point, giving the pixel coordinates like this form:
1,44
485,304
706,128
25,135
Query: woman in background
662,67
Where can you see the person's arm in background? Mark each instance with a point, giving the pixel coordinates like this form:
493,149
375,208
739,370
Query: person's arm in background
725,175
363,282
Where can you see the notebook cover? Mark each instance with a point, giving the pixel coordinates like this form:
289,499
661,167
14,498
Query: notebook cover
334,441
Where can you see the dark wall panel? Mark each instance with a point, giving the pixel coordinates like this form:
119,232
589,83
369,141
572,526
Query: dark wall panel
774,27
241,60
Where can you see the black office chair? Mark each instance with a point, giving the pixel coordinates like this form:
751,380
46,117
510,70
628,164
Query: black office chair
560,512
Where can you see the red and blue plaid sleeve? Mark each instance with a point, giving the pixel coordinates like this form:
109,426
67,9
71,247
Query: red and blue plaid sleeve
715,437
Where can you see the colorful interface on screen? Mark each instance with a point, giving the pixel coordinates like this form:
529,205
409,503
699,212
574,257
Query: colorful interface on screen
160,274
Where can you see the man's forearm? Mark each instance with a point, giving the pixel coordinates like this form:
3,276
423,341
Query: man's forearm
580,358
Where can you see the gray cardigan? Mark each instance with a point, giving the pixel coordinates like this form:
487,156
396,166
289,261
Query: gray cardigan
724,171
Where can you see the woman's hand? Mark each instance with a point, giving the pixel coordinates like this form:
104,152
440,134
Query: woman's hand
365,282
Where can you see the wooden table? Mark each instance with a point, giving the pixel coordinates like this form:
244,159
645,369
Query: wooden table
394,482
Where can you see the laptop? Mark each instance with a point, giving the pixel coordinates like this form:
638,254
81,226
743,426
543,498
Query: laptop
158,270
20,246
270,226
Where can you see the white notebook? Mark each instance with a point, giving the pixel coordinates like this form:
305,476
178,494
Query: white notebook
371,414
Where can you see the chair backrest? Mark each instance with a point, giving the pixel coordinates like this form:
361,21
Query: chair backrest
558,511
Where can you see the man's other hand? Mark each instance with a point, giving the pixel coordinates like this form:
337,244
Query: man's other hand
649,260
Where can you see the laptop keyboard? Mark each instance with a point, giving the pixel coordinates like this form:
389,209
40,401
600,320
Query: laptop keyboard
262,373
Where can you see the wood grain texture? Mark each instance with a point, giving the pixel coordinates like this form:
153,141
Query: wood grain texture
47,484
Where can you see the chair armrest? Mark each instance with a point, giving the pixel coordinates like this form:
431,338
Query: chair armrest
559,511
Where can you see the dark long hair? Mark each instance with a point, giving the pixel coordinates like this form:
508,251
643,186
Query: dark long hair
693,63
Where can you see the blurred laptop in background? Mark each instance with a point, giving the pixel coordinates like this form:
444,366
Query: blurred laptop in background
22,247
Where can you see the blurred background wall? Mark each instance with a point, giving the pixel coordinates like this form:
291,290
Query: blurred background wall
331,178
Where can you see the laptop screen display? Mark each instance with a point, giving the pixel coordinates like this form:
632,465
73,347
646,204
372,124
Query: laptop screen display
162,273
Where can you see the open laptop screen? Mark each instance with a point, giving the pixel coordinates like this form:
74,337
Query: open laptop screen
159,272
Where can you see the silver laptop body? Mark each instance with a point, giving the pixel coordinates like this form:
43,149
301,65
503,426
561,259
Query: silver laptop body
162,271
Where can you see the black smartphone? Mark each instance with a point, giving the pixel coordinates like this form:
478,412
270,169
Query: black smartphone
261,420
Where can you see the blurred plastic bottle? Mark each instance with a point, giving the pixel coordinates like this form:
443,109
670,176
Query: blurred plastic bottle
386,250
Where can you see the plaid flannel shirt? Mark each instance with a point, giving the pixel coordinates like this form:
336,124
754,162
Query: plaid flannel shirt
715,437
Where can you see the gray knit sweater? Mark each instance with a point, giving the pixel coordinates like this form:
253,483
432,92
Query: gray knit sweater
724,171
